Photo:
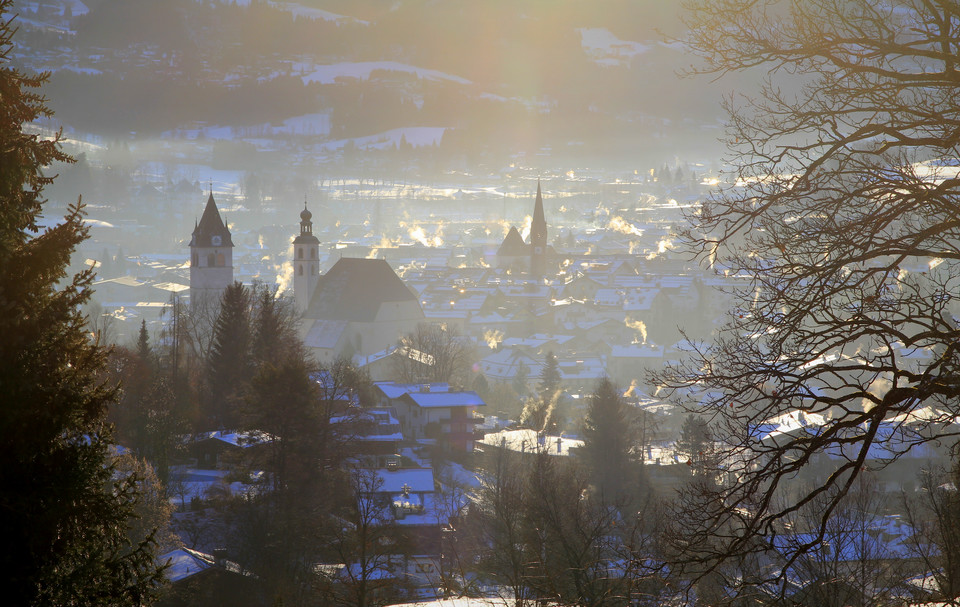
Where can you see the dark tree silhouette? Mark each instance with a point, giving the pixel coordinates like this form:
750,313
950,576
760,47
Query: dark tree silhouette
934,515
844,215
229,364
611,439
65,507
549,377
274,327
697,445
144,351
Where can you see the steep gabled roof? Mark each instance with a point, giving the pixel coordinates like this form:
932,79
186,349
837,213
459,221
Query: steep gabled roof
513,245
210,225
354,289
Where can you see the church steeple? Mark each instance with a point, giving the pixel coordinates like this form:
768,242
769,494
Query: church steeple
538,236
211,228
306,260
211,255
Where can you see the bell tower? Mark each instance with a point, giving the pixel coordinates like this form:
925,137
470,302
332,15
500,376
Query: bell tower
306,261
211,256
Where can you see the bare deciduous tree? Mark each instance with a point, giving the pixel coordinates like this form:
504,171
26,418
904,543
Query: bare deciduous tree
843,216
434,353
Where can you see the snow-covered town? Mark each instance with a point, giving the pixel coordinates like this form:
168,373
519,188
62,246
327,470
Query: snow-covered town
480,304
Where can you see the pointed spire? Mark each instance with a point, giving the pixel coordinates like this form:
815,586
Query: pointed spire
538,226
211,225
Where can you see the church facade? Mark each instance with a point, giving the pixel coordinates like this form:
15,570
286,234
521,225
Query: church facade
528,257
360,306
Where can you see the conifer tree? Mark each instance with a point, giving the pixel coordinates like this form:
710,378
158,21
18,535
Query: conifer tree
610,437
144,351
549,377
229,365
696,444
64,509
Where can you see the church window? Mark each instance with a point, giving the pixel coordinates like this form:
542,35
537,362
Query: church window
221,260
211,260
300,270
313,270
196,260
299,252
313,253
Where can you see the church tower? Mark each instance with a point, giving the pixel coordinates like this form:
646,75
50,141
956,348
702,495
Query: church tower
211,256
306,261
538,237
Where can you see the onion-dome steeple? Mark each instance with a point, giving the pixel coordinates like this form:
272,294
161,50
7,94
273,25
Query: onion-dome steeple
306,260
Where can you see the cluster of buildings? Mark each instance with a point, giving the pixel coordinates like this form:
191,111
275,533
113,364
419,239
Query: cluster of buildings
600,310
601,315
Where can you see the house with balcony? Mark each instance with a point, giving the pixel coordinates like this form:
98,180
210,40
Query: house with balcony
434,411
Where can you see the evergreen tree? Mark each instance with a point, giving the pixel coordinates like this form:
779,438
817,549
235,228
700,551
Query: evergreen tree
268,338
610,437
550,377
143,344
274,328
696,444
65,509
229,367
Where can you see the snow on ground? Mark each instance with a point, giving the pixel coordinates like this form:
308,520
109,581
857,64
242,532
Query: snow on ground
416,136
90,71
190,483
327,74
295,8
317,14
223,182
237,2
307,124
462,602
606,49
77,7
455,473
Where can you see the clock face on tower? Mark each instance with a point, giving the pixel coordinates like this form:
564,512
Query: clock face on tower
215,241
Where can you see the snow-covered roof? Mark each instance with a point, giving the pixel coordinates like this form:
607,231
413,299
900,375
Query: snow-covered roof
324,333
531,441
237,439
184,563
637,351
392,389
465,398
419,480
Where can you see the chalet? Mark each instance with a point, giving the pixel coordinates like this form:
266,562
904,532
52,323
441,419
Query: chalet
216,449
434,411
199,579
